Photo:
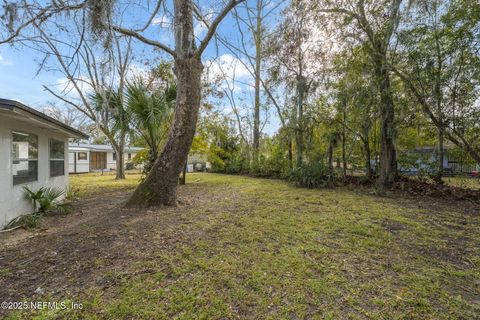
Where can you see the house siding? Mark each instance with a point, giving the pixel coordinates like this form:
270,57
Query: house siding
112,164
84,166
12,199
78,166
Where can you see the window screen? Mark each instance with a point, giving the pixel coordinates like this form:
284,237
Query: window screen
24,157
57,158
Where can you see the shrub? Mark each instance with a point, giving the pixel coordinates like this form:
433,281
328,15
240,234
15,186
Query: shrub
141,159
237,164
45,201
312,175
48,200
28,221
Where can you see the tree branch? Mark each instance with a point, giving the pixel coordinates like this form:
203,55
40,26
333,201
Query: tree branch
143,39
213,27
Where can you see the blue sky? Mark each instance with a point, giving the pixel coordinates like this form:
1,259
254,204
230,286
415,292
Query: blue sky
19,66
18,78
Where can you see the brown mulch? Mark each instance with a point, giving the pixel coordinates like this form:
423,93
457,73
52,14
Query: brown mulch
426,188
416,187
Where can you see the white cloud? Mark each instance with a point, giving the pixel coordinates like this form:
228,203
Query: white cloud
4,61
200,29
227,66
162,21
229,73
66,87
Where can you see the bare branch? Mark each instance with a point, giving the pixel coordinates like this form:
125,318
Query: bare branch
213,27
143,39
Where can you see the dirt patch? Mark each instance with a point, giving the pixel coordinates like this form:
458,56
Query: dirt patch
80,250
393,226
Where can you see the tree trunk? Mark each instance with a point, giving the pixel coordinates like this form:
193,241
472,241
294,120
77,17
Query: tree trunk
441,156
344,137
368,157
290,152
160,186
183,179
258,60
439,101
301,87
388,155
120,164
152,157
120,173
330,159
118,147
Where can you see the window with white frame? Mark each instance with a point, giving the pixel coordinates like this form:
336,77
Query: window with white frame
24,157
57,158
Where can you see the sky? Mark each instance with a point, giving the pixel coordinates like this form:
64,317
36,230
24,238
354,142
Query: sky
21,79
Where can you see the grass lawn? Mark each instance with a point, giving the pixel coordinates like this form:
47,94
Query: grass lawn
244,248
90,184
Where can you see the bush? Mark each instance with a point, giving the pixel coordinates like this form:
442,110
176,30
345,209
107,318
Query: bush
45,201
271,167
141,160
312,175
27,221
237,164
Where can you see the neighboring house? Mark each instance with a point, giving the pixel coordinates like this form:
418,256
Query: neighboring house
198,162
96,157
33,149
424,159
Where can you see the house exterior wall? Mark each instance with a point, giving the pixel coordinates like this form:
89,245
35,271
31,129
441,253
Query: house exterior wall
75,165
12,199
112,165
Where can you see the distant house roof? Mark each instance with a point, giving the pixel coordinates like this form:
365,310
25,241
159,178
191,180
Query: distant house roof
101,147
27,113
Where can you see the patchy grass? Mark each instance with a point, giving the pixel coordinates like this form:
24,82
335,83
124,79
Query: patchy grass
463,182
245,248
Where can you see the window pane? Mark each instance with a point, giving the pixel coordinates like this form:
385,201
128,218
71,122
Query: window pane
57,149
24,157
24,171
57,168
114,156
24,146
82,156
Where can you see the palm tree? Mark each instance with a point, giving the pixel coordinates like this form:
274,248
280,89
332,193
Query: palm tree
150,112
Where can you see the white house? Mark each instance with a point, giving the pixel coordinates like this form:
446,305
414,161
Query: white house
96,157
33,150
